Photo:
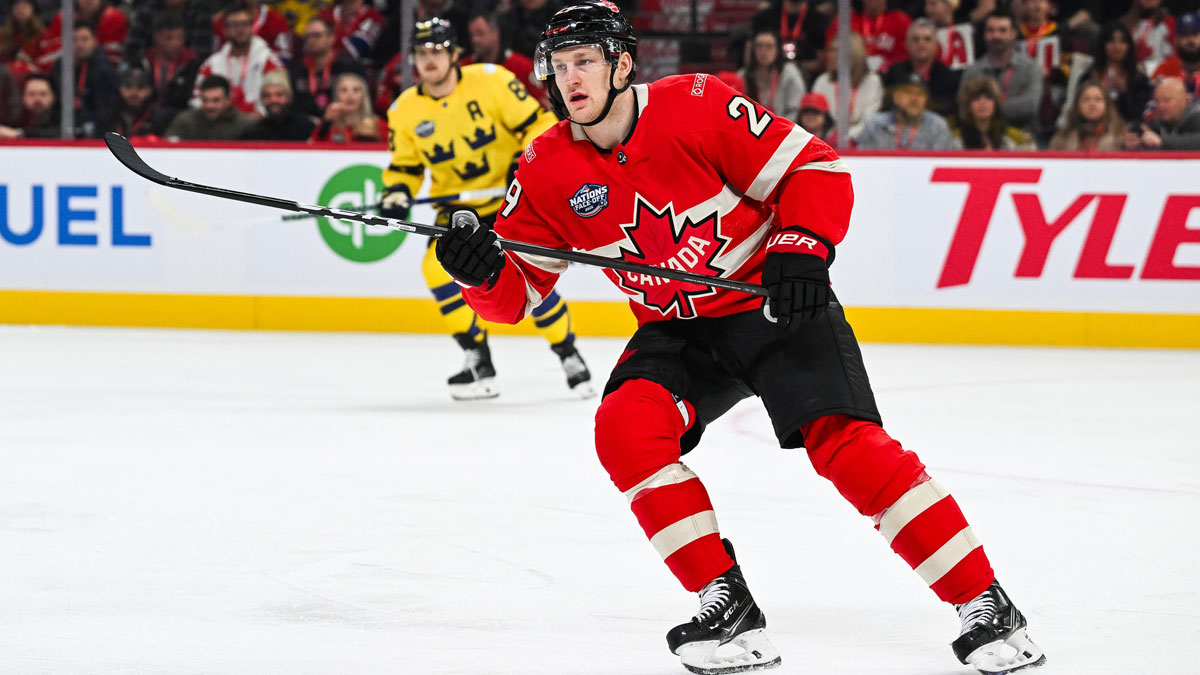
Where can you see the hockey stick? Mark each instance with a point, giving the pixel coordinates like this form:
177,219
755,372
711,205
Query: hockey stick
124,152
469,195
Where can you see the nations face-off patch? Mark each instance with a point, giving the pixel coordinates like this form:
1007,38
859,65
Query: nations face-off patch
589,200
425,129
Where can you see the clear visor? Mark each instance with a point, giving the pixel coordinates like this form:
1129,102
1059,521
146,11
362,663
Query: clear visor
584,57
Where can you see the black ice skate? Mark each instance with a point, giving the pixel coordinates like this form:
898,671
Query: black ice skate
728,614
579,378
477,379
994,639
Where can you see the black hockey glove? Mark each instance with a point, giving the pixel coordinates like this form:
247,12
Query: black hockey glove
797,287
470,251
396,203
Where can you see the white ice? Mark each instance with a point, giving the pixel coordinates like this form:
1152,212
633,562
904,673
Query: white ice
178,502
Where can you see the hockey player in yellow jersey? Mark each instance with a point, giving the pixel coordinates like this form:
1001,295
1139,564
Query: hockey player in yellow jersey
467,125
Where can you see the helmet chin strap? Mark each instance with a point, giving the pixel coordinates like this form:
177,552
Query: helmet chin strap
613,92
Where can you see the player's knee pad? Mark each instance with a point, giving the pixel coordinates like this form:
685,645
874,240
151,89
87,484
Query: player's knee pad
638,427
866,465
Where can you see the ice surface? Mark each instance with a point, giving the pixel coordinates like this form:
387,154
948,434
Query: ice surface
177,502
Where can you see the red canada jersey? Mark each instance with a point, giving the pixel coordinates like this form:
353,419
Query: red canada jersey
703,180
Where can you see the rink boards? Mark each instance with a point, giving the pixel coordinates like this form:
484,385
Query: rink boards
950,248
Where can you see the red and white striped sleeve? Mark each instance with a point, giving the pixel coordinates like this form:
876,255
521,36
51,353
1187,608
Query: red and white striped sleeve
526,279
775,161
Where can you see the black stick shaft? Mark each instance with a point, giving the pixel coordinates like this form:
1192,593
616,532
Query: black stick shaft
124,152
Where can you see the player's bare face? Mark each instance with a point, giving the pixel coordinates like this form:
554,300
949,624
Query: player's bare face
581,75
433,64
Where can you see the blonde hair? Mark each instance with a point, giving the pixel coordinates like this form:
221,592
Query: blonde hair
858,60
364,123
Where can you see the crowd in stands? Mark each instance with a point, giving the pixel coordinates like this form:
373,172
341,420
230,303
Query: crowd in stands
983,74
1080,75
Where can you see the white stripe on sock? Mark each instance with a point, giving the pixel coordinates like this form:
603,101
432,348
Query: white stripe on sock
912,504
950,554
679,534
670,474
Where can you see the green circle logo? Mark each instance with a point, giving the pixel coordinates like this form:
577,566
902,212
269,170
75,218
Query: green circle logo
353,188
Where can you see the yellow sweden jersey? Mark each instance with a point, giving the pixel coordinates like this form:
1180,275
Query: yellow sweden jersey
469,139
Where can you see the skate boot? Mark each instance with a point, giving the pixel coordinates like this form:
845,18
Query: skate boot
477,379
579,378
994,639
728,614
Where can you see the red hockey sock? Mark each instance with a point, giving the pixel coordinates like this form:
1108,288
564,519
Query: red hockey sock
919,519
637,439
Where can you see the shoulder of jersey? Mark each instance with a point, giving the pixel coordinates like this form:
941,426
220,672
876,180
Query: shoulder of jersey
686,90
486,71
405,96
548,148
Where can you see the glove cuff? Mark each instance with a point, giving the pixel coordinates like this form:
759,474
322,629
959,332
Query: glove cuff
796,239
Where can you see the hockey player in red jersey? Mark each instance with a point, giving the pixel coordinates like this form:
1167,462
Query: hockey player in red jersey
688,174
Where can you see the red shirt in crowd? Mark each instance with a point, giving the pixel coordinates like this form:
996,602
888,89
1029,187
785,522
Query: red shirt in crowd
1173,67
884,35
111,31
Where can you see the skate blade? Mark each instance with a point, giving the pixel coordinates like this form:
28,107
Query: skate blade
1005,656
474,391
758,653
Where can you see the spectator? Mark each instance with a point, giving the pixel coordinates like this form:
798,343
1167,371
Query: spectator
195,23
283,121
909,125
1153,29
39,114
1115,66
922,65
349,118
815,117
1080,19
771,79
1019,77
956,41
1042,40
171,65
139,114
10,97
265,23
95,85
1175,125
390,84
866,87
1093,123
242,61
357,26
882,31
108,26
313,75
217,118
1185,62
981,123
523,23
801,27
20,35
485,41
